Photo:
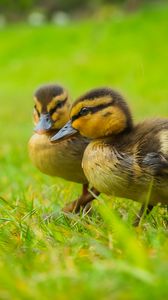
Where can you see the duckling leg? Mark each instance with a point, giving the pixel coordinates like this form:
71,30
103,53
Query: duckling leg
83,201
141,212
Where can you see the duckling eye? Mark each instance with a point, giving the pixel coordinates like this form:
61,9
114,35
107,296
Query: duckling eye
58,105
84,111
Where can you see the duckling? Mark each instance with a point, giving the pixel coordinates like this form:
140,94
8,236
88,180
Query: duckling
122,159
63,159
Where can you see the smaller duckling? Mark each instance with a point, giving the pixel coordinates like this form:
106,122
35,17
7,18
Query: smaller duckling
63,159
123,159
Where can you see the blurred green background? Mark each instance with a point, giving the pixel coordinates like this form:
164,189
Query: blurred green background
81,45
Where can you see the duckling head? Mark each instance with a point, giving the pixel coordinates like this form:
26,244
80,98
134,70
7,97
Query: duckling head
99,113
51,109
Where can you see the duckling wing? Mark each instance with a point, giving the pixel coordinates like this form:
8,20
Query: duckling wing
153,146
156,163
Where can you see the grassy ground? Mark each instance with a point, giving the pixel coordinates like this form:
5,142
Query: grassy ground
98,257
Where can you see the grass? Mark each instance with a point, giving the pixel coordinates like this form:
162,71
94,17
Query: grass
97,257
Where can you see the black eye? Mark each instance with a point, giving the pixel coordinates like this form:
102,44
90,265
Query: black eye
84,111
59,104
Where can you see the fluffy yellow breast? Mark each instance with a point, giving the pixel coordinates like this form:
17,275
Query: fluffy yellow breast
102,167
62,159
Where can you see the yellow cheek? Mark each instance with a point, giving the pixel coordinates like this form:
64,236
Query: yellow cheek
60,119
79,124
55,117
87,126
117,121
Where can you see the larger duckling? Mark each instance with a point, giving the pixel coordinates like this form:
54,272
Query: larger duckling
63,159
123,159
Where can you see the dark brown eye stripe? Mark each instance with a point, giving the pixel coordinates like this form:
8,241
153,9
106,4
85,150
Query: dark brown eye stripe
99,107
92,110
58,105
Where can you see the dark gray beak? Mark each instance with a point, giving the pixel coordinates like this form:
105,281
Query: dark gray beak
44,125
65,131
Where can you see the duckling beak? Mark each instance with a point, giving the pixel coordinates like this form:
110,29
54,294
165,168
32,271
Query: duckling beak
44,125
65,131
